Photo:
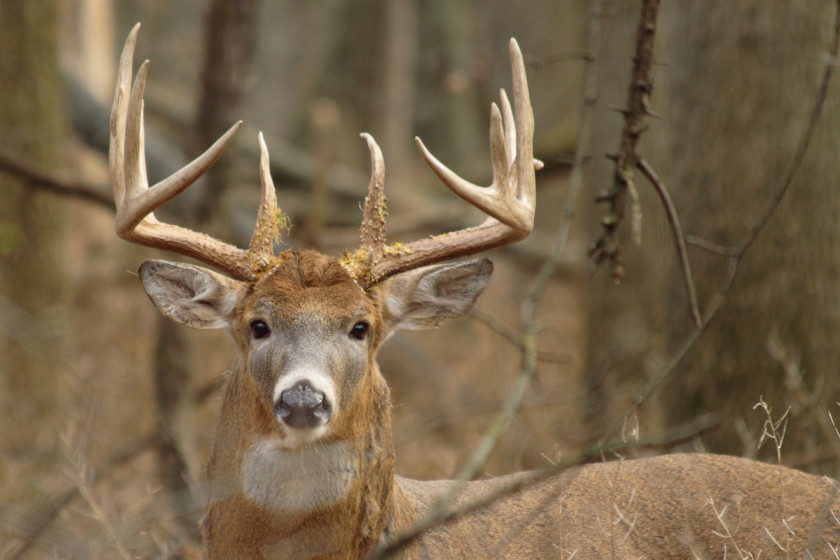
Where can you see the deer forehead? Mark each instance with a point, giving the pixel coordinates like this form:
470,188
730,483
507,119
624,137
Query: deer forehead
310,308
308,287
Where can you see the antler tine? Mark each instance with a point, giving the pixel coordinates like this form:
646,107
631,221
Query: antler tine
119,112
509,123
269,220
136,201
526,163
509,201
503,199
372,232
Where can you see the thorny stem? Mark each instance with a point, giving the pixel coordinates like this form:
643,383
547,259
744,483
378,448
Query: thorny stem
638,107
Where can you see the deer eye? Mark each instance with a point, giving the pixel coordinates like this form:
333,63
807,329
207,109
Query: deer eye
259,329
359,330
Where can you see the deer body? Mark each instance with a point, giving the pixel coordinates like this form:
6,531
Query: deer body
280,491
670,507
303,462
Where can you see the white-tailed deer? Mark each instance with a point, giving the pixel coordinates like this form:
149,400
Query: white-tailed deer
303,463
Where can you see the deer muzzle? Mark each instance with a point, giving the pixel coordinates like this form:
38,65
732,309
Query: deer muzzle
303,406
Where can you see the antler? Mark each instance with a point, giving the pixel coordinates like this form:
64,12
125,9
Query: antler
136,201
509,201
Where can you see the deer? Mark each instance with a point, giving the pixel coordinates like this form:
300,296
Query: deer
303,464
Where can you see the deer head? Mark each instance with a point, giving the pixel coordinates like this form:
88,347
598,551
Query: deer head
308,325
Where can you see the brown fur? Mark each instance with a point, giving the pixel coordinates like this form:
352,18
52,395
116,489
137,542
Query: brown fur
670,507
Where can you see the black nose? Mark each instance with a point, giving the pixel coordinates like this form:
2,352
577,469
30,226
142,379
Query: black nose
302,406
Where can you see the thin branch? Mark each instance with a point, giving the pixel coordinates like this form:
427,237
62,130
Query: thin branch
35,176
796,162
679,237
606,248
555,57
62,500
804,143
511,336
709,246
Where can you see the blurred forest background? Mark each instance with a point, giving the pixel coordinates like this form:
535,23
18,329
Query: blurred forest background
108,410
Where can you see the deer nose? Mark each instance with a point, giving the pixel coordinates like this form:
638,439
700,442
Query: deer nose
302,406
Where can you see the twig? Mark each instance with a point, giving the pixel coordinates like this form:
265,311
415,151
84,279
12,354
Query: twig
561,56
638,107
709,246
99,514
65,498
775,430
679,238
511,336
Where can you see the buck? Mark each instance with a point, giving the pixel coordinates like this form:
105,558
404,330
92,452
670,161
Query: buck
303,462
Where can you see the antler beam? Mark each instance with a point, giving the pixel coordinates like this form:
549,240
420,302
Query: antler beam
509,201
136,201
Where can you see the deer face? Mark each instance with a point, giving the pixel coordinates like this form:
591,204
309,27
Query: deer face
308,333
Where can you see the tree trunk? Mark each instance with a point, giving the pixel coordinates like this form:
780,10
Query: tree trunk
31,223
744,79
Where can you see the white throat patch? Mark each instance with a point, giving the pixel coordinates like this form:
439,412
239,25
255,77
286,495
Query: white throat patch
300,480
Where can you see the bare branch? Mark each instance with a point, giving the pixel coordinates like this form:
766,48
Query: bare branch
709,246
513,337
556,57
679,237
35,176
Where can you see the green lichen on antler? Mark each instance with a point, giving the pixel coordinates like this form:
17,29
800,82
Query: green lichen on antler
356,264
372,230
359,264
260,252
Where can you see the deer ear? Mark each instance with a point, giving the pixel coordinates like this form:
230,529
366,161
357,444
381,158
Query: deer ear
191,295
428,297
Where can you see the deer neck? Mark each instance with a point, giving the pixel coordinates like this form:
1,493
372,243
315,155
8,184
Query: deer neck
333,497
